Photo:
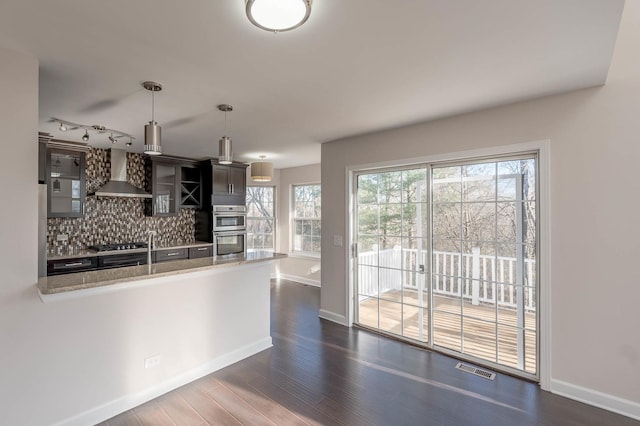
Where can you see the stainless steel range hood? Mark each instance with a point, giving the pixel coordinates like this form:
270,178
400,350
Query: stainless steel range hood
118,185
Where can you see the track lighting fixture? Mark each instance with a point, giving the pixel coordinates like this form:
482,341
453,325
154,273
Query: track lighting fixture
225,152
70,125
130,142
152,132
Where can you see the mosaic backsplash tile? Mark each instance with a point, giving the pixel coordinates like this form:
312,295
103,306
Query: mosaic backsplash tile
118,220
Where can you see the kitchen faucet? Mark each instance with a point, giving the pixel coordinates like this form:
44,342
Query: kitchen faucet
150,240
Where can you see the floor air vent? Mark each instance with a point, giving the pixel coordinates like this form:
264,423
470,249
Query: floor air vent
475,370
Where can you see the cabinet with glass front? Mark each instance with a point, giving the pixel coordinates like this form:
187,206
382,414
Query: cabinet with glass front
66,183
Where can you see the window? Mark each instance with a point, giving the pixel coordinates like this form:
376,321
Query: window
260,218
306,219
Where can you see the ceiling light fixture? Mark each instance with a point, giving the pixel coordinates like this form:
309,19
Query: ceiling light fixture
152,132
225,152
262,171
130,142
278,15
98,128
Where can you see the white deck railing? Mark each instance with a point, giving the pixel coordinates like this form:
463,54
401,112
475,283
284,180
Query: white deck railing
479,278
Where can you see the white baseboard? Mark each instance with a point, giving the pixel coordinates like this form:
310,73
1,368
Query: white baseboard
127,402
332,316
597,399
302,280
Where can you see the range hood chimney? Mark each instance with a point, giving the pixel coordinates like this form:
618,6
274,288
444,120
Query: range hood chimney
118,185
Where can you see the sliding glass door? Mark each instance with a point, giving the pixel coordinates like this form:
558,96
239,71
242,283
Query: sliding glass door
446,256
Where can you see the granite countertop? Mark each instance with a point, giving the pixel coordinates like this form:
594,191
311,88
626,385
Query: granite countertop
92,279
89,252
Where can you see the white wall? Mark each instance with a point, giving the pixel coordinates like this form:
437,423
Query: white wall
306,270
595,242
62,359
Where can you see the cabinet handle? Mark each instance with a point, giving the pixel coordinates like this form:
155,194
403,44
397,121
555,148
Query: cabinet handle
232,189
74,264
203,248
175,253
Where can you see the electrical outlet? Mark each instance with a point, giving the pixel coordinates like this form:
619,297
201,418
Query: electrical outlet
151,362
337,240
62,237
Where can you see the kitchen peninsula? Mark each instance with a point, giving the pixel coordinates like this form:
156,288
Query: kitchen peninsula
57,284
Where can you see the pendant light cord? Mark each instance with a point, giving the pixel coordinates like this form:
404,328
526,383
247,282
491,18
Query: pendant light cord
153,106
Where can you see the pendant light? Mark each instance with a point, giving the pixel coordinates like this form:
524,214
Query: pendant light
261,171
152,132
56,185
225,153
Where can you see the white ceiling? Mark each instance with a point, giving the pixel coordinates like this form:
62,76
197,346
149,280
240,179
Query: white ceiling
356,66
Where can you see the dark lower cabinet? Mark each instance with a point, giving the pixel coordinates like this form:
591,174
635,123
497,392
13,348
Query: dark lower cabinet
67,266
197,252
171,254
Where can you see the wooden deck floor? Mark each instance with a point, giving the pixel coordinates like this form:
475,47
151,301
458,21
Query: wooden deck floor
474,332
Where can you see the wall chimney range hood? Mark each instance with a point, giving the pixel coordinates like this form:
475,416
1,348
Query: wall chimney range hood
118,185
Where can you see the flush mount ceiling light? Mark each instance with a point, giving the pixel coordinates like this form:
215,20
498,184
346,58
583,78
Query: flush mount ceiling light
262,171
278,15
152,132
225,153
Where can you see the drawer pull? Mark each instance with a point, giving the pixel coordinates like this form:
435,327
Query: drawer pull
74,264
203,248
175,253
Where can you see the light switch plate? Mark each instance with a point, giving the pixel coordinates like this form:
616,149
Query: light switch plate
337,240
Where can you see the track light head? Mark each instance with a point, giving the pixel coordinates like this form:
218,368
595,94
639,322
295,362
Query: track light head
112,139
85,137
62,127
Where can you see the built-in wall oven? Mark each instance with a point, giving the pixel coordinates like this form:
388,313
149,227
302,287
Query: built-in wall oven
229,218
229,243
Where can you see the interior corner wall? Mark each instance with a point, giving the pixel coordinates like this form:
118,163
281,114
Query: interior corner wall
305,270
595,237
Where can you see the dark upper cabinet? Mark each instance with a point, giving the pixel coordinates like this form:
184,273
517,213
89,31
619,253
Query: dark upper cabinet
228,183
175,183
190,186
164,188
66,183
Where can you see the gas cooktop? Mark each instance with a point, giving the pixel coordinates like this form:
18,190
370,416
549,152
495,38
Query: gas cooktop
119,246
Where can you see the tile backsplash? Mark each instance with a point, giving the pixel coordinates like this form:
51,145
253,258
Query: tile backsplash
117,220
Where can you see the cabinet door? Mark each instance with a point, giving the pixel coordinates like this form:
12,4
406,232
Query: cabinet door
221,180
66,183
237,179
165,202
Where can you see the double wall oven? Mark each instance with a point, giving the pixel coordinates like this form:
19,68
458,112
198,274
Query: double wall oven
229,230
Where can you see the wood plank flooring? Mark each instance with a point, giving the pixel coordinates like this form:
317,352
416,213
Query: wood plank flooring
320,373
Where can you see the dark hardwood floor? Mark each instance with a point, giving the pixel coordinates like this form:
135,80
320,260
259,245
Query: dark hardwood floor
320,373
